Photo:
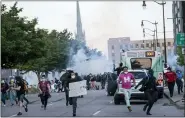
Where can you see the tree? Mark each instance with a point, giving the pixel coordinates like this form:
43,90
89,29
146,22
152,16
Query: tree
180,59
19,44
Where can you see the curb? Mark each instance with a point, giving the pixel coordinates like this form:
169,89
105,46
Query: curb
173,102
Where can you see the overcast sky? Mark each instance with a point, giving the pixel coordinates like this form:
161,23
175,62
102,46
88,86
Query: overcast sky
100,20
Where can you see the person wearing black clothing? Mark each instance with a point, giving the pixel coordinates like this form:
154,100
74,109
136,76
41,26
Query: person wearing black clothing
150,90
119,69
72,100
20,93
4,89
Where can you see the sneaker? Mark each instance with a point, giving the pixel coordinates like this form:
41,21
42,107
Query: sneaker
26,108
74,115
129,108
19,114
12,104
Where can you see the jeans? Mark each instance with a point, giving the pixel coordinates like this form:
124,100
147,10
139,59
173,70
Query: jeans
171,88
127,93
44,99
12,96
73,101
3,98
151,97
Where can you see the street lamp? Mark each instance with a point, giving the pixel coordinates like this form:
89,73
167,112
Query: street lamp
144,5
163,3
154,40
154,23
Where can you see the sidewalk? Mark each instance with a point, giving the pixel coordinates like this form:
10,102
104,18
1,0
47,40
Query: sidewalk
176,99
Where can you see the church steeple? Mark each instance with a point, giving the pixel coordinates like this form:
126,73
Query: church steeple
80,34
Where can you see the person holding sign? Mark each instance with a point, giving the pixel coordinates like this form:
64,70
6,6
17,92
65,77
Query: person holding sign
72,100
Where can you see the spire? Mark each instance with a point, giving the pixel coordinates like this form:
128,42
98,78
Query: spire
79,22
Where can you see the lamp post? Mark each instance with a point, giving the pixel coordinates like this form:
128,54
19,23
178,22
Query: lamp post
163,3
155,23
154,40
150,35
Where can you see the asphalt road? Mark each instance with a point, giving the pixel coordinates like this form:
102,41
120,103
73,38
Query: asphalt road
95,104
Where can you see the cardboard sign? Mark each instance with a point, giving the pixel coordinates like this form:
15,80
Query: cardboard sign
77,88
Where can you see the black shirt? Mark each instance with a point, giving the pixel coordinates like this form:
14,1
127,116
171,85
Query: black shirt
119,69
21,91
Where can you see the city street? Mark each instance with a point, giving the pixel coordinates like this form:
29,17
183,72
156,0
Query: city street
95,104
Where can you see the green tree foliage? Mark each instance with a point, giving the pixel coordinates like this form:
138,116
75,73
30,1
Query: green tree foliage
180,59
26,48
18,40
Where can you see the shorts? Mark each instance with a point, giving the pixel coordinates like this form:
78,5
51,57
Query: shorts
20,97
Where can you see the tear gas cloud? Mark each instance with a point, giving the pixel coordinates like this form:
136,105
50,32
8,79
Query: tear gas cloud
84,65
172,61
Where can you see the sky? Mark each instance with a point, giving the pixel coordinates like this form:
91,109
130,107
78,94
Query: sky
101,20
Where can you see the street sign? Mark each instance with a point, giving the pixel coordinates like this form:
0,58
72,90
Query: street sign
180,39
183,50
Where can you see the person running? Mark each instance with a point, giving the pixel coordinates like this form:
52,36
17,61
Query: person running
44,89
4,89
12,93
72,100
171,79
179,81
125,78
119,69
150,90
20,94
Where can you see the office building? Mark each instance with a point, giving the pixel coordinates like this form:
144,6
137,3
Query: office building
116,45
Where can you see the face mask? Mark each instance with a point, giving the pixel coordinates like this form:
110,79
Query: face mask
73,77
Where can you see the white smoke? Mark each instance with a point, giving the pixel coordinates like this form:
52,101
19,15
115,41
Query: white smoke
95,64
172,61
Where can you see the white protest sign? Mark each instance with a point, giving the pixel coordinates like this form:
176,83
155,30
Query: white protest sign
77,88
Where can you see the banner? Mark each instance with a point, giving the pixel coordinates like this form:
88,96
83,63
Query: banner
77,88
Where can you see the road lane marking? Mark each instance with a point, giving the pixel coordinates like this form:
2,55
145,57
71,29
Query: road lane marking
96,113
111,102
13,116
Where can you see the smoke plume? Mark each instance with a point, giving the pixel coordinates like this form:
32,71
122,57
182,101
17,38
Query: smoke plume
94,64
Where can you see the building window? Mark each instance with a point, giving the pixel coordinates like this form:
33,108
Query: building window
137,45
178,9
158,44
169,43
142,45
112,47
147,45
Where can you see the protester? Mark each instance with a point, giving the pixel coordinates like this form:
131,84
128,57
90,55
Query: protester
12,93
119,69
171,78
150,90
72,100
179,81
4,89
44,89
125,78
20,94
